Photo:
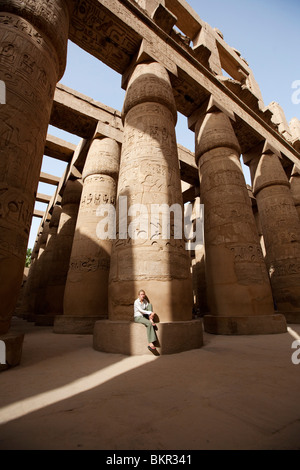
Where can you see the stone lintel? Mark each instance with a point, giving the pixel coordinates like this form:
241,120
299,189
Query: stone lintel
38,214
129,338
248,325
164,18
59,149
43,198
79,114
189,195
49,179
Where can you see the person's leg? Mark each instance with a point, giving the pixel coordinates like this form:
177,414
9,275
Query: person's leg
150,309
150,330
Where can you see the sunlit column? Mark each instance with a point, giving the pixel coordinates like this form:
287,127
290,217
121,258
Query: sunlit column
281,230
239,292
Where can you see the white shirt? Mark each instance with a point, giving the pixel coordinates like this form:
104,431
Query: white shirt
140,308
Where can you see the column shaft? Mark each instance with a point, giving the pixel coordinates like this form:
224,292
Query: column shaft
33,44
54,293
86,291
239,292
281,230
149,174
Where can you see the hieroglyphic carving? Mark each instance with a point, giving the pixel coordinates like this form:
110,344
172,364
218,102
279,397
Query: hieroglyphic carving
99,32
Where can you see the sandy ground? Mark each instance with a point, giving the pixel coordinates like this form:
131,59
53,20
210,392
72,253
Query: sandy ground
233,393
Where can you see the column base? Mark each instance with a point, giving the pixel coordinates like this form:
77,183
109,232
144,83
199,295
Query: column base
130,338
11,353
254,325
68,324
44,320
291,316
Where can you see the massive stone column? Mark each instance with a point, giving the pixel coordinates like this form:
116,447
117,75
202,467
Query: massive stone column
143,256
54,292
295,187
46,268
33,45
281,230
86,291
239,292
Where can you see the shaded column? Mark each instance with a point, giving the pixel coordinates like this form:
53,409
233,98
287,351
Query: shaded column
281,230
27,305
86,292
143,257
239,292
33,45
47,265
54,292
295,188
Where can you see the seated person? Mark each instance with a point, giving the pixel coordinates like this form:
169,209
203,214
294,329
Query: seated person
143,314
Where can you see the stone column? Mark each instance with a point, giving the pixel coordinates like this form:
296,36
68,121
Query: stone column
295,188
54,292
86,292
33,45
239,292
41,319
281,230
143,256
27,304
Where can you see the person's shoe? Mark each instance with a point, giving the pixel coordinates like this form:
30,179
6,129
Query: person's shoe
154,351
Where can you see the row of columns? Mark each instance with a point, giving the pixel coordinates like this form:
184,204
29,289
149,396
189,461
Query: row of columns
87,279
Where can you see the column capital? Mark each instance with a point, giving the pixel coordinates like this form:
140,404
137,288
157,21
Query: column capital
51,18
211,105
213,130
147,53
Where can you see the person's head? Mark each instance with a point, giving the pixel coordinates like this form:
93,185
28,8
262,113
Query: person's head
142,294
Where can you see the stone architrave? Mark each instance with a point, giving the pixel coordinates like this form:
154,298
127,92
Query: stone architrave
281,230
295,187
33,46
45,272
239,292
86,291
144,255
54,292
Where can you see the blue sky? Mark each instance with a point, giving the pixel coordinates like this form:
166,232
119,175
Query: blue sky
267,34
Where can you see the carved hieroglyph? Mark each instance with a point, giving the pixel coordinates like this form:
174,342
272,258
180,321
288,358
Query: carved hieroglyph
149,174
236,274
33,43
54,293
281,230
86,289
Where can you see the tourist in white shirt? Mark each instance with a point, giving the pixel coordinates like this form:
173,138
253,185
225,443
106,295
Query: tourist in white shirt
142,308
